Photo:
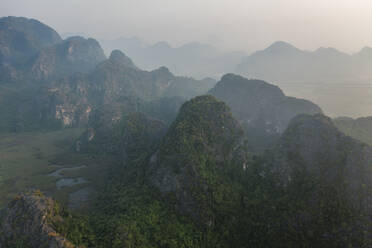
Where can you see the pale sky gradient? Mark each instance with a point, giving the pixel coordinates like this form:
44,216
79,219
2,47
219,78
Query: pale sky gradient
234,24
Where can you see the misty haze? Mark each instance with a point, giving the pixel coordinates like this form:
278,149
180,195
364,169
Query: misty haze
176,123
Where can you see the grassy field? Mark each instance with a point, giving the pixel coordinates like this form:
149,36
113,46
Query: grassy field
26,159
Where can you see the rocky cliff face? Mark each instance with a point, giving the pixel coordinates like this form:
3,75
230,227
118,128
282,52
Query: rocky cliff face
66,102
20,40
111,85
75,54
63,81
28,222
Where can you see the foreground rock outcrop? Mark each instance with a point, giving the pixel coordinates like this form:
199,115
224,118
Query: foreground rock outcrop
28,221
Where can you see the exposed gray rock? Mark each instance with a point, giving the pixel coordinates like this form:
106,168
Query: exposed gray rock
75,54
27,222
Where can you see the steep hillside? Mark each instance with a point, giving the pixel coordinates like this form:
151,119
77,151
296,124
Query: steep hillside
119,57
327,179
262,108
110,85
200,150
180,191
50,83
154,162
315,143
21,38
312,188
197,186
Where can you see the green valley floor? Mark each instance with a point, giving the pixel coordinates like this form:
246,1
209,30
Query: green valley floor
48,161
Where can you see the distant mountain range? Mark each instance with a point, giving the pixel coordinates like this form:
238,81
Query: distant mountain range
32,51
193,59
282,62
341,83
324,76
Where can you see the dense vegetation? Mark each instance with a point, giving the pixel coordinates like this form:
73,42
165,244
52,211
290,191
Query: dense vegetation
195,175
221,196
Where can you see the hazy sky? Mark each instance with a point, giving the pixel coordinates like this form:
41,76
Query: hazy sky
234,24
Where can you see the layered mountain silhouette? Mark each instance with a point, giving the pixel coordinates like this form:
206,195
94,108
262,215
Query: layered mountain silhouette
282,62
190,163
34,52
50,82
110,84
194,59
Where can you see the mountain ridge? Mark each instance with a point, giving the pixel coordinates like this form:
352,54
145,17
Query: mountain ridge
262,108
282,62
